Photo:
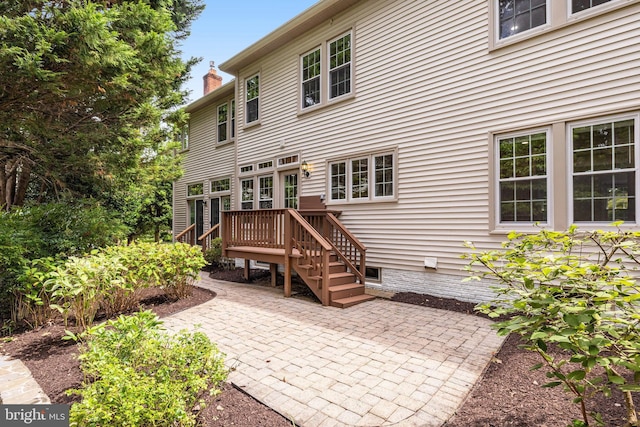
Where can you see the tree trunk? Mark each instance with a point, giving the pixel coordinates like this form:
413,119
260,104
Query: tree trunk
23,176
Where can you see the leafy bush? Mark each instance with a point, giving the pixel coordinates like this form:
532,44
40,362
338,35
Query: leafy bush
107,279
577,291
213,255
136,375
56,230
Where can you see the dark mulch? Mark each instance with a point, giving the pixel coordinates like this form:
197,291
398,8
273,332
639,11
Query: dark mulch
509,394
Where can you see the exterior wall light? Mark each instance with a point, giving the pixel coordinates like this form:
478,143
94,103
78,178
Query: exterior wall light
305,169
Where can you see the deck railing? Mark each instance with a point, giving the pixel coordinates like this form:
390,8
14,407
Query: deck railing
208,236
261,228
348,248
311,247
345,245
188,235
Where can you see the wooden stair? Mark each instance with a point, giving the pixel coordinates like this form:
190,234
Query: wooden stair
344,290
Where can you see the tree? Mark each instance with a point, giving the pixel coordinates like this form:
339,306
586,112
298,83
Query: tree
84,82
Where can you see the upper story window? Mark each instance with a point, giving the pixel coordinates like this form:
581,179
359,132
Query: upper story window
311,70
580,5
367,178
522,179
604,170
516,20
340,66
222,122
233,118
516,16
252,96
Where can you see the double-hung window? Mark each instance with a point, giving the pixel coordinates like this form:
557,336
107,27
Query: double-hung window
517,20
363,178
233,118
266,192
517,16
340,66
246,186
580,5
522,177
222,122
604,170
311,74
252,96
327,72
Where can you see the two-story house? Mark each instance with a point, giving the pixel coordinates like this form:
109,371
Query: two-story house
426,124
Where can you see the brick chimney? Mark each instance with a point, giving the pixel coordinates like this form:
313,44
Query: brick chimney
212,80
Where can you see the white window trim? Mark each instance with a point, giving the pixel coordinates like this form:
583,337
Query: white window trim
259,192
240,198
321,76
194,196
495,152
372,198
255,122
558,16
351,67
325,75
569,148
370,186
223,192
226,123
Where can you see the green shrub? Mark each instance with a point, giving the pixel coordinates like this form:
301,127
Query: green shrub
136,375
578,292
213,255
109,279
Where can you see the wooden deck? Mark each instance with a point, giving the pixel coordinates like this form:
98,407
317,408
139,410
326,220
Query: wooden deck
314,244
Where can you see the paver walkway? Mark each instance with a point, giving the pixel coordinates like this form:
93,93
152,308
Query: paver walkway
379,363
17,386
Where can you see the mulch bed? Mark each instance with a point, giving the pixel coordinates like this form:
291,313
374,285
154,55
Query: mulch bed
509,394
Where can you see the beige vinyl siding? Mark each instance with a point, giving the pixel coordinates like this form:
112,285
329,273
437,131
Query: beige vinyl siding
427,85
205,160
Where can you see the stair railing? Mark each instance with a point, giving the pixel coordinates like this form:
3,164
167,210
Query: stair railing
208,236
347,246
188,235
311,248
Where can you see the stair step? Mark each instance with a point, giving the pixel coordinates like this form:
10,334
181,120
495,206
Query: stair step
337,267
351,301
341,278
345,291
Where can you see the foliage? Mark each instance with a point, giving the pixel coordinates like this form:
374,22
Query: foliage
86,87
55,230
106,280
213,255
576,291
137,375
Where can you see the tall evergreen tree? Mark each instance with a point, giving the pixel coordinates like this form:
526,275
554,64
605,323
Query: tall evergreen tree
84,87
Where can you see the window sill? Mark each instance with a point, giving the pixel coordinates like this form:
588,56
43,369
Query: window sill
328,104
496,44
361,201
223,143
251,125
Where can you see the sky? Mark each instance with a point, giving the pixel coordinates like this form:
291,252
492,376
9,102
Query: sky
225,28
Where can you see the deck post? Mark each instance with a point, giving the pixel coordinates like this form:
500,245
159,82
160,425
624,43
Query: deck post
274,274
288,250
247,269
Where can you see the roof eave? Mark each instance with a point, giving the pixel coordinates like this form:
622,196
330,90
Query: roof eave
315,15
